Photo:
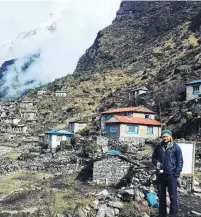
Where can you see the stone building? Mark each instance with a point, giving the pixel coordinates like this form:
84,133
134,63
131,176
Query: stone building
134,93
10,120
131,122
133,127
26,105
42,92
20,128
60,93
30,141
109,171
193,90
28,115
53,138
76,126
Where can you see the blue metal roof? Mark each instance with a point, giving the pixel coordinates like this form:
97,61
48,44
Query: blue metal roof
58,132
194,82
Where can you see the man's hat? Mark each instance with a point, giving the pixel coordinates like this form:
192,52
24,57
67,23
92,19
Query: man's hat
166,133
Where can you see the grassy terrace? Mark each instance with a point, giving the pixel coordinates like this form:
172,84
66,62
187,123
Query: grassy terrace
43,191
18,180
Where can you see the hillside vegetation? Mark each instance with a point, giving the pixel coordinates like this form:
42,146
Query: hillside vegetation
152,44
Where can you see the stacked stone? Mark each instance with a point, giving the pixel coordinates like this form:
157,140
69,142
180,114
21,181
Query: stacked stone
142,177
110,170
132,143
39,163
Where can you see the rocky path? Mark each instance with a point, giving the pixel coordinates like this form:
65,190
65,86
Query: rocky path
190,205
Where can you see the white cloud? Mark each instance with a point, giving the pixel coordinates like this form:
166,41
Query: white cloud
79,22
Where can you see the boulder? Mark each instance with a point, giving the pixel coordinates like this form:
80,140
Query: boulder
110,212
116,204
94,204
101,211
196,213
116,211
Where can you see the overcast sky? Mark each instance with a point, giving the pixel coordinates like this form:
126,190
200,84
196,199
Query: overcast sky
79,22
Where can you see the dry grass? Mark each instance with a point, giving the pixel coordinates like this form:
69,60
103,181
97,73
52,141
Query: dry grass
17,180
193,41
12,155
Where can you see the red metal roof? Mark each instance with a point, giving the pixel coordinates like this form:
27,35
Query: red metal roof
129,109
134,120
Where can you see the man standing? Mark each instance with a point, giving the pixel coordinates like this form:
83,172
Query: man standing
168,159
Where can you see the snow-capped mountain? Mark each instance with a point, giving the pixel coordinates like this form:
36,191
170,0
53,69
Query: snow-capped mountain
58,40
49,24
14,62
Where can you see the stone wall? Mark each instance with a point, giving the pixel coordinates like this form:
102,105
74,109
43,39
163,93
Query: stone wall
61,162
114,142
113,171
131,143
109,171
103,143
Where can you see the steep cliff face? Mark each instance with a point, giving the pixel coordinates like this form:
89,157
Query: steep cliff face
137,27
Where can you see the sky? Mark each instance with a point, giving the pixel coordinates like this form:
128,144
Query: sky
77,24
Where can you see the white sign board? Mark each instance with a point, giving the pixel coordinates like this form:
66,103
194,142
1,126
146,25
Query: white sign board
188,151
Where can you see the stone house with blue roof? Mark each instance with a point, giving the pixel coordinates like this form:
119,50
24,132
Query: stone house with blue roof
53,138
193,90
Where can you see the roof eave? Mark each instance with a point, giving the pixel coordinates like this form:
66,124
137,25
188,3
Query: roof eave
144,112
124,122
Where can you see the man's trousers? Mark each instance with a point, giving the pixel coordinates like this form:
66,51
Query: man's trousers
167,181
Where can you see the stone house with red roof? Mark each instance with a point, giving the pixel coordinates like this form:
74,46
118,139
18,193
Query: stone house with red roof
131,122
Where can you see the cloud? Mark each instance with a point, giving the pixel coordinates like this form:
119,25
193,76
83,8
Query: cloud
77,23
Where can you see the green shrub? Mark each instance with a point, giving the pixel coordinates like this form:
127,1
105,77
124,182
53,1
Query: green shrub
95,148
123,148
189,115
85,131
63,146
26,156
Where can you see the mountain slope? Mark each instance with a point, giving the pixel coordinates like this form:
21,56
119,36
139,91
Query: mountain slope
13,80
137,27
16,75
138,49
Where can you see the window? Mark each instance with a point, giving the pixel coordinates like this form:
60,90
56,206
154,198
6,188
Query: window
150,130
132,129
59,138
113,128
196,89
68,139
129,114
107,117
147,116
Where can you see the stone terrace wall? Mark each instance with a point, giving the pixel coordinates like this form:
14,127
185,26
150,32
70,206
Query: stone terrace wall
109,171
112,170
132,143
114,142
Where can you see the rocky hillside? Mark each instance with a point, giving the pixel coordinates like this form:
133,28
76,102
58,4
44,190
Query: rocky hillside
138,30
152,44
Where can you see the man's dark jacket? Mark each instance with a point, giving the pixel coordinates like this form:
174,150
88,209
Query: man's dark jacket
171,159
